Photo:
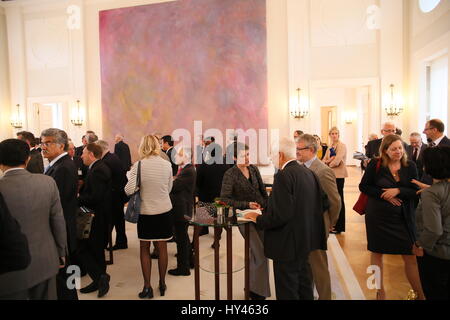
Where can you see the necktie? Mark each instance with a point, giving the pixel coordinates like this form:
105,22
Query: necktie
415,154
432,144
179,170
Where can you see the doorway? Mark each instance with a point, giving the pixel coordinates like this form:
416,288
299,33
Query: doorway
328,116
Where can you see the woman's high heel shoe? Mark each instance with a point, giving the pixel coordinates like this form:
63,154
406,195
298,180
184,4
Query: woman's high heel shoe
162,289
146,292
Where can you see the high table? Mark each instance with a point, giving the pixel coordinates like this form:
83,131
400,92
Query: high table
200,220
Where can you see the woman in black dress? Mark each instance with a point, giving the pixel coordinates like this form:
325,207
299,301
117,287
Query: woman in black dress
390,216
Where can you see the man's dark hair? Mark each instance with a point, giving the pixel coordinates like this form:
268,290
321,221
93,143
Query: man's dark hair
90,132
398,132
436,162
95,149
27,136
438,124
168,139
91,138
14,152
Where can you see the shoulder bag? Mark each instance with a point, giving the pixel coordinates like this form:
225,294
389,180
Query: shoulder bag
361,204
134,205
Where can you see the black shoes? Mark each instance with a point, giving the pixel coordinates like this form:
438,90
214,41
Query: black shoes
162,289
146,293
120,246
90,288
179,272
103,285
255,296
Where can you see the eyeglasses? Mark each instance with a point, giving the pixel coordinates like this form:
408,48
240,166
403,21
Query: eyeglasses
426,129
300,149
389,130
46,144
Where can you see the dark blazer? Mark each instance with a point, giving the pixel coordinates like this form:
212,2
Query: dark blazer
373,148
418,161
96,194
425,178
237,191
14,252
407,189
118,176
64,172
293,222
79,151
182,193
36,163
172,162
209,181
122,150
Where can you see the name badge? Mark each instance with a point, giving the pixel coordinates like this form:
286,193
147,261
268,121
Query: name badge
80,172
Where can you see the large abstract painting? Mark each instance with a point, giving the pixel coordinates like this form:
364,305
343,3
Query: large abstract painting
165,65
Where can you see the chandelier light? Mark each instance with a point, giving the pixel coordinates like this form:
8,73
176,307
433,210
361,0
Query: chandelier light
77,117
299,110
16,119
394,108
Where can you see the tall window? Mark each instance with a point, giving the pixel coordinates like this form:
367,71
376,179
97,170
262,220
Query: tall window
437,89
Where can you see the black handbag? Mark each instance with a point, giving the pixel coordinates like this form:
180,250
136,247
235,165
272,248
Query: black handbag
84,222
134,205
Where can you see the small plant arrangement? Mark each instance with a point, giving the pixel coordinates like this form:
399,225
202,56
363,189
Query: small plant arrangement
218,203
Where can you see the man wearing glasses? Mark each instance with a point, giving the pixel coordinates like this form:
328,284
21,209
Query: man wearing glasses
434,130
373,147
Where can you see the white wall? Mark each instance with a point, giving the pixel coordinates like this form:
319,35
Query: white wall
5,102
429,38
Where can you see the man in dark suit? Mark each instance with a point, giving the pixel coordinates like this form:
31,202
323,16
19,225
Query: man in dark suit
434,130
167,147
414,151
119,198
33,200
96,194
122,150
36,163
182,196
63,170
79,150
373,147
293,225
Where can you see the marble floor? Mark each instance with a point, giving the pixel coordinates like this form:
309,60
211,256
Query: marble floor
348,259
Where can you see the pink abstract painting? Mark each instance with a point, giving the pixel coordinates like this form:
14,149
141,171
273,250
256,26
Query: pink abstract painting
165,65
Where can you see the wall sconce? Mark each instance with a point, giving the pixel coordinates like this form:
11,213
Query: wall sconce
395,106
349,117
16,119
77,116
299,109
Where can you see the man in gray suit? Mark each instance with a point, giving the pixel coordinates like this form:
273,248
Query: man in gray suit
33,200
306,154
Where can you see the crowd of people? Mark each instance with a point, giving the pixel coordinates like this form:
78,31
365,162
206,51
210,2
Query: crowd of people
47,180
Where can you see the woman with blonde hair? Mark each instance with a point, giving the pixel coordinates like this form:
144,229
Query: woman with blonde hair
336,157
390,221
155,220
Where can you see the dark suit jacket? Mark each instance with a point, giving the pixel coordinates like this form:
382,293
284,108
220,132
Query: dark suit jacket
209,181
172,162
14,252
36,163
293,222
182,194
96,194
425,178
237,191
122,151
118,176
79,151
418,161
64,172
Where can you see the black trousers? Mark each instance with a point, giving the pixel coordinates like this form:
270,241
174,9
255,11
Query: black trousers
92,256
293,279
340,224
435,277
184,249
118,221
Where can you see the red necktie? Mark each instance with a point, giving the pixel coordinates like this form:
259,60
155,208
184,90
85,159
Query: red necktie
179,170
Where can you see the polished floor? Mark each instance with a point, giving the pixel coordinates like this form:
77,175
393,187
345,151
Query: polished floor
348,258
